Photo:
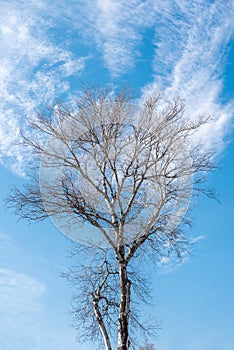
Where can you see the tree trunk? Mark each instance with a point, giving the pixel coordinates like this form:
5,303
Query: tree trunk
124,308
101,324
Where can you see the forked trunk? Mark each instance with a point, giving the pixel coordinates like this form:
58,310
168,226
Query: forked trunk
101,324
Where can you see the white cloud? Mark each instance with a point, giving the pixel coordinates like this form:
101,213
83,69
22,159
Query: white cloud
37,63
29,313
197,239
191,44
34,69
19,292
27,318
191,40
21,310
117,29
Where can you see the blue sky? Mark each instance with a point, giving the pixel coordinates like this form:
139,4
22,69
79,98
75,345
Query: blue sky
180,47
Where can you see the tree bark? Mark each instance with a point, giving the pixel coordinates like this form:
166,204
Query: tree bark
101,324
124,308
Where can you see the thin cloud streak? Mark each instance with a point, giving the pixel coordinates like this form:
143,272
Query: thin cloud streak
117,28
33,68
191,45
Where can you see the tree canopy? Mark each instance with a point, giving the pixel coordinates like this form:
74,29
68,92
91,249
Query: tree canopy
116,176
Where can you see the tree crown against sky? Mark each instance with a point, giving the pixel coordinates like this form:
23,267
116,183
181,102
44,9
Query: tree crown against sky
122,158
117,176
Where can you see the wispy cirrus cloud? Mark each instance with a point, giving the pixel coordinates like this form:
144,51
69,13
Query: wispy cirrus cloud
191,44
34,68
117,28
39,55
190,52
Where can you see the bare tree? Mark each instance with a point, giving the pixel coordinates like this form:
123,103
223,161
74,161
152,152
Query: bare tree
116,177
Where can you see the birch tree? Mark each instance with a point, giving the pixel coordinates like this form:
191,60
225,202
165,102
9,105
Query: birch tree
116,177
